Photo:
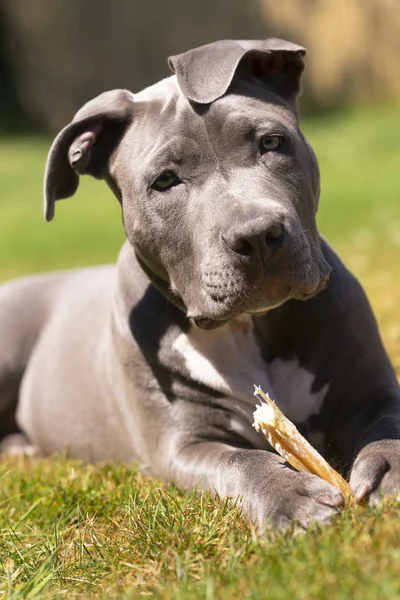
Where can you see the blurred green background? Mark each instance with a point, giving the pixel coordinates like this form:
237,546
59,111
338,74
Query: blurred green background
56,55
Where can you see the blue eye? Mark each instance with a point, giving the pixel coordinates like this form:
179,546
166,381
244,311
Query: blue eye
270,142
166,181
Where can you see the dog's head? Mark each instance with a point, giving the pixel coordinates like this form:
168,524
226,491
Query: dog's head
218,186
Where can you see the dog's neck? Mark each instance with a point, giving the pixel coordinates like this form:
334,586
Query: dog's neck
132,266
161,284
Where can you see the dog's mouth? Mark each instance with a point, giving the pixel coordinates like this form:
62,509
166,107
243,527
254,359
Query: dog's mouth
210,323
323,282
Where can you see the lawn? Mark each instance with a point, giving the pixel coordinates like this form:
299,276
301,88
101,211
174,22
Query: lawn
71,530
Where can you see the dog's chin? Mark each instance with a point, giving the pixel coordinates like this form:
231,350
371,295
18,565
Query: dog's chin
309,294
211,323
214,321
218,318
208,324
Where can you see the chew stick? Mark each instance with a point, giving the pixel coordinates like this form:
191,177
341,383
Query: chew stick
291,445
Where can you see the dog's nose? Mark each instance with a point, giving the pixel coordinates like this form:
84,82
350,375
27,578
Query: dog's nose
260,237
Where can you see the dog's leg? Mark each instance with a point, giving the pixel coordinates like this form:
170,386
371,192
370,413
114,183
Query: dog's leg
17,444
12,440
376,470
363,404
12,364
23,306
270,491
9,387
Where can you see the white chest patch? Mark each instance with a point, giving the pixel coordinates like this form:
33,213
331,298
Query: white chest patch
292,385
229,361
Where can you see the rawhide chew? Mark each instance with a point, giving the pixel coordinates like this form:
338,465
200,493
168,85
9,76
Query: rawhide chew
291,445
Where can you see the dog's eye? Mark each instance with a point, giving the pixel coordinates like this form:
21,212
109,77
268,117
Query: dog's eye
165,181
270,142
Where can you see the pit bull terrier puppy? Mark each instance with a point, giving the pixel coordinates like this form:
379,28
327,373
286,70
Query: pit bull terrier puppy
224,282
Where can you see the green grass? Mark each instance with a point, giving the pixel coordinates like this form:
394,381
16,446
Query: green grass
71,530
105,530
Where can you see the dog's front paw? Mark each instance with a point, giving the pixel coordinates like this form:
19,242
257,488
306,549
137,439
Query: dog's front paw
303,499
376,471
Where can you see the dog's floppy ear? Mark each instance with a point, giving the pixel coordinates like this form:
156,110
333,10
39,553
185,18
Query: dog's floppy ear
85,145
205,74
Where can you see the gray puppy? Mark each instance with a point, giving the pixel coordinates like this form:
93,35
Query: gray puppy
223,282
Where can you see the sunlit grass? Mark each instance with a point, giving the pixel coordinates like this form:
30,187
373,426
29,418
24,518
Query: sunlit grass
69,530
